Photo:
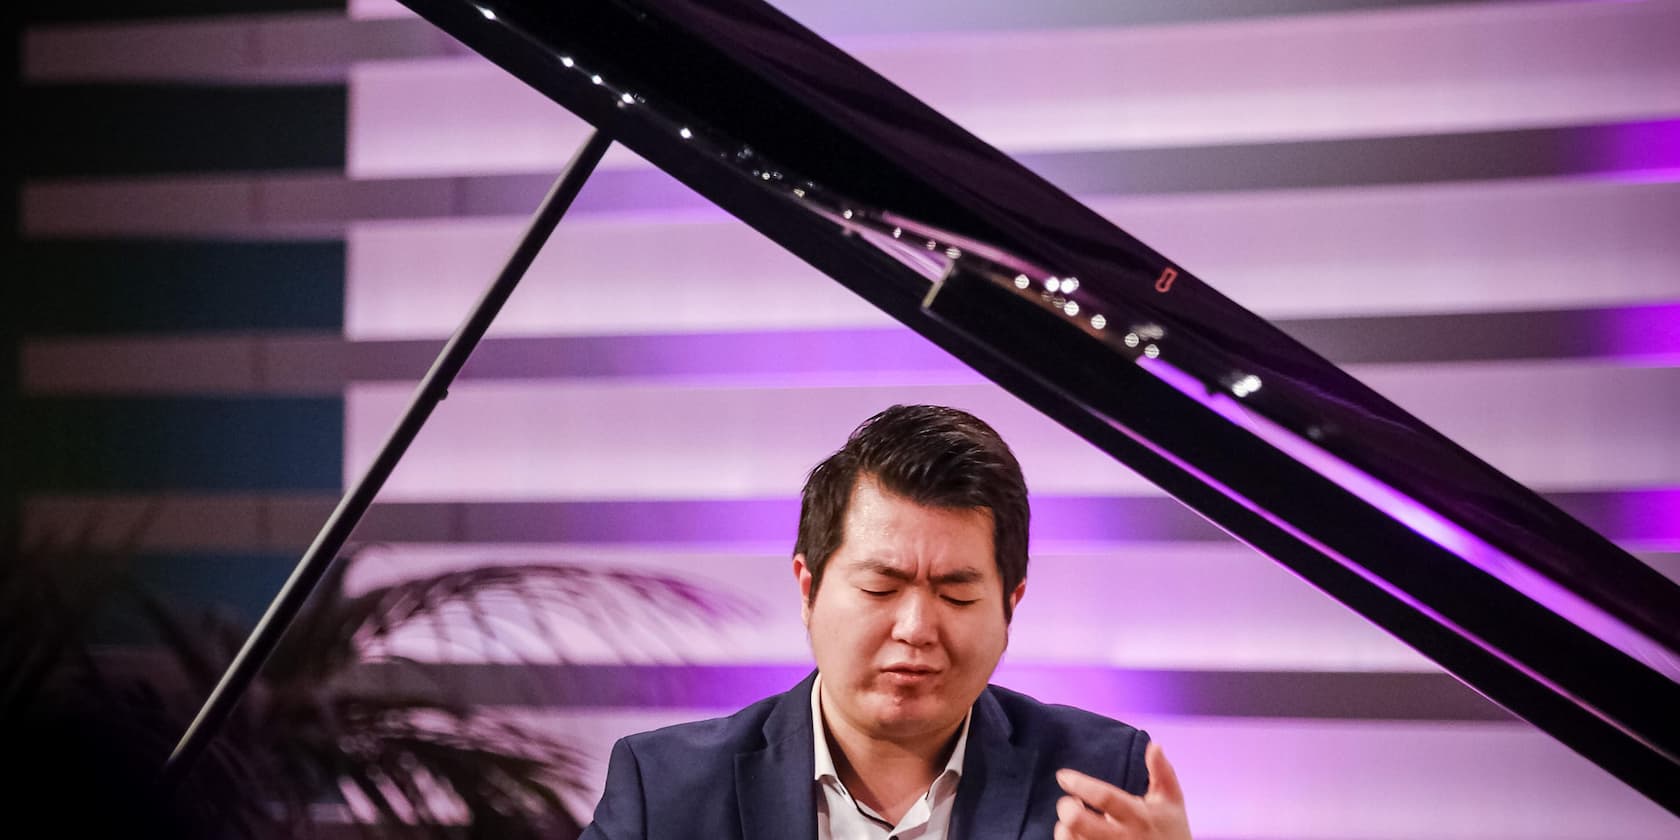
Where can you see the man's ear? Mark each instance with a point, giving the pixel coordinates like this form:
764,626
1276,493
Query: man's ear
1016,596
802,573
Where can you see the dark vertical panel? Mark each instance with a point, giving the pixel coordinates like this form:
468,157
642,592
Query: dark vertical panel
190,444
238,587
149,286
180,128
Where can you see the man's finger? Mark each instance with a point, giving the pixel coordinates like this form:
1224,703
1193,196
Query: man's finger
1101,795
1080,822
1163,780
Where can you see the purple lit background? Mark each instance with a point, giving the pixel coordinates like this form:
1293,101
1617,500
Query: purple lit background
1473,207
667,376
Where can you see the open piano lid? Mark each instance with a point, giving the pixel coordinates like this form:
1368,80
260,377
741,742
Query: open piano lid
1125,348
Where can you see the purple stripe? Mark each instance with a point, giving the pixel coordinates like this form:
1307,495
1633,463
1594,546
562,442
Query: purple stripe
1638,333
1643,516
1113,691
694,523
732,354
1649,334
1637,516
1633,149
1611,151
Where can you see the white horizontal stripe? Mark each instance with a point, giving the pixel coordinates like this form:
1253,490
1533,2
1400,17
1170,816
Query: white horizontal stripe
1553,426
1468,247
630,442
1441,69
1319,780
592,278
376,9
1427,248
833,19
255,523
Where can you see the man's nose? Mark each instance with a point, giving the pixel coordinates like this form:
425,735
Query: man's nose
916,621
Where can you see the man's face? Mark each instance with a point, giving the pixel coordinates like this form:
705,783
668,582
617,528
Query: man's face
908,624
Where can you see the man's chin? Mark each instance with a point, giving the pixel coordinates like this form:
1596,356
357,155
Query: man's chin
908,717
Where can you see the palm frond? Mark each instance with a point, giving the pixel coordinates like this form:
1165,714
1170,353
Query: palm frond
407,754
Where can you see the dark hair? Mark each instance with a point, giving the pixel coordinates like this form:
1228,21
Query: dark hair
933,456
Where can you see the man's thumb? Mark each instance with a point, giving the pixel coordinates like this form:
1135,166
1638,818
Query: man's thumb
1163,782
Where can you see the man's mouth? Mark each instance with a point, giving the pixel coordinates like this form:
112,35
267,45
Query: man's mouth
911,670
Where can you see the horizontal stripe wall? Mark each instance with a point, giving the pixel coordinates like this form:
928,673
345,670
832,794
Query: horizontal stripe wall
1470,205
126,286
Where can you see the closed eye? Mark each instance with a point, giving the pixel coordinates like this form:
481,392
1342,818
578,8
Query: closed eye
961,602
879,593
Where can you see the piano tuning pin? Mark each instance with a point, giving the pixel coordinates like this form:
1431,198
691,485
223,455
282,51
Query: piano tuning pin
1131,339
1021,281
1070,308
1098,322
595,79
627,99
953,253
1053,284
1152,351
932,245
1069,285
566,61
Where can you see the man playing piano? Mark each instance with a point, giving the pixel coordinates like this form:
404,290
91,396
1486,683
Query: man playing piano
911,558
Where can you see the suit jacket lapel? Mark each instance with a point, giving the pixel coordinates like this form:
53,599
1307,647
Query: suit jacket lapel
773,786
992,797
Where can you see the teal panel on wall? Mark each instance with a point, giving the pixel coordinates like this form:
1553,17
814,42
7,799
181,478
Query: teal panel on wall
196,444
135,129
140,286
238,587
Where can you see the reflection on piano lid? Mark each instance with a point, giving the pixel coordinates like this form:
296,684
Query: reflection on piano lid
1124,347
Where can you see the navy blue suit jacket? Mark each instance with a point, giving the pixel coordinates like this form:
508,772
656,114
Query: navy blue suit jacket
749,776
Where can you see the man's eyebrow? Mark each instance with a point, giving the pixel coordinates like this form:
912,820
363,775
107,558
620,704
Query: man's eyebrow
958,576
969,575
881,567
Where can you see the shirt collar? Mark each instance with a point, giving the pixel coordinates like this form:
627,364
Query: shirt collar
825,760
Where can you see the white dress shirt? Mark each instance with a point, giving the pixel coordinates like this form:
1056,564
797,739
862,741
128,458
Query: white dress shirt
840,817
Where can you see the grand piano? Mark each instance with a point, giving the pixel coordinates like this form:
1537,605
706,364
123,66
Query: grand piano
1126,348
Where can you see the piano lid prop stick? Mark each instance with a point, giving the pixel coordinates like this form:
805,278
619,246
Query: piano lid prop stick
434,387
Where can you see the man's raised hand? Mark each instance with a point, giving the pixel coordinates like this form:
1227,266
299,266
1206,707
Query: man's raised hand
1097,810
